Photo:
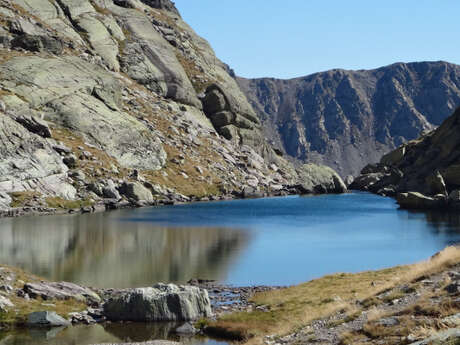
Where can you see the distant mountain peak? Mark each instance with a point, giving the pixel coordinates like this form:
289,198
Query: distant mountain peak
346,119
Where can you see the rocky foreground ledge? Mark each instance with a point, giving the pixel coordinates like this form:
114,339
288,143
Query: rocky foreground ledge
31,302
416,304
38,303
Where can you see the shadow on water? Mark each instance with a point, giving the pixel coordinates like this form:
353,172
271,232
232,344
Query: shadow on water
441,223
96,334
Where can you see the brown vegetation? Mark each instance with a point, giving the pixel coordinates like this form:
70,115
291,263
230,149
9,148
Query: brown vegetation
296,307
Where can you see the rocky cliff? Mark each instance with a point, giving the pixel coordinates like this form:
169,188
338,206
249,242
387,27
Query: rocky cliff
347,119
109,102
423,173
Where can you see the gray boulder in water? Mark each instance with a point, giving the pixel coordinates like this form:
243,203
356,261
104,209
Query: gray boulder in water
46,319
163,302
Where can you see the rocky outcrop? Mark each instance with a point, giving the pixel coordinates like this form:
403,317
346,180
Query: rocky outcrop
348,119
121,91
316,179
226,114
422,173
136,191
60,291
159,303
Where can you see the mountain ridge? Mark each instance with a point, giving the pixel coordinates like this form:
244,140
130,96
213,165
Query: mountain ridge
349,118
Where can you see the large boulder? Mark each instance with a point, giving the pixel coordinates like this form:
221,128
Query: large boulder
231,119
159,303
365,181
317,179
136,191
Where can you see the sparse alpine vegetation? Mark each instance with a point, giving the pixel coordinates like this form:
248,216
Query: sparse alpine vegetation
107,104
392,306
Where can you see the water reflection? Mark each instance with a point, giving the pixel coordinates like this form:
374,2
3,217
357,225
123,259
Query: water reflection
281,241
96,334
98,250
447,223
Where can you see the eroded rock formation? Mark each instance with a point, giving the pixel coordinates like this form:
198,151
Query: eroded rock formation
101,96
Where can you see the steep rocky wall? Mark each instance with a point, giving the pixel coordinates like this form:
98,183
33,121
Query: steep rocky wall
106,102
347,119
428,166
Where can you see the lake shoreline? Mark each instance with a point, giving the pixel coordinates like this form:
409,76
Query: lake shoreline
440,273
112,205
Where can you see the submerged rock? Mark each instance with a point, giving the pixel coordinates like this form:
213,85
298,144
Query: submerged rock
186,329
159,303
414,200
46,319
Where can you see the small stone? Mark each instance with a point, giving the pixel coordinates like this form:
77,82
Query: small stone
70,161
453,288
186,329
5,303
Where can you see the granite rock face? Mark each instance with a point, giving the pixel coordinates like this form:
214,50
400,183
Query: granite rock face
122,91
348,119
423,173
159,303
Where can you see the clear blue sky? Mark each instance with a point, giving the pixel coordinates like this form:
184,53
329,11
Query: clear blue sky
289,38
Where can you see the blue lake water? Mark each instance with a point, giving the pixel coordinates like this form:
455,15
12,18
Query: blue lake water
274,241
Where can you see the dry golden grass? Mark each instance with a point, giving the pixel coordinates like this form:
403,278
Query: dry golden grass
296,307
194,73
22,198
194,185
98,168
102,10
56,202
17,316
